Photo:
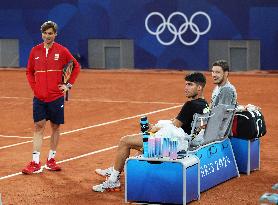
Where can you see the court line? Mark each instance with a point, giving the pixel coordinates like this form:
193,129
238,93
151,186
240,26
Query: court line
66,160
97,125
7,97
101,100
7,136
124,101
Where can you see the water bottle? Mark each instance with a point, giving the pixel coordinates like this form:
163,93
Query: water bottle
151,147
165,147
158,146
146,136
173,148
144,123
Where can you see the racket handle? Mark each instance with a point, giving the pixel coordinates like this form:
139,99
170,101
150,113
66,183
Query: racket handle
67,96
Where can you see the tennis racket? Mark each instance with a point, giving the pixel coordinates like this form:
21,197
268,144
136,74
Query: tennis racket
67,70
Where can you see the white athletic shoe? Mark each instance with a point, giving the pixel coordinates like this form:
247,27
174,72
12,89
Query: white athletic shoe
104,172
108,186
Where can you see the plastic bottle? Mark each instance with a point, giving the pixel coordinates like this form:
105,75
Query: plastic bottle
151,146
146,136
158,146
173,148
165,146
144,123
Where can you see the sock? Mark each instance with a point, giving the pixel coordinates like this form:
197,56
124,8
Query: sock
114,175
51,154
36,157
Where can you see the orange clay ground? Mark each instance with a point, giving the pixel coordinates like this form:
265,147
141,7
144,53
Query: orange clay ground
106,104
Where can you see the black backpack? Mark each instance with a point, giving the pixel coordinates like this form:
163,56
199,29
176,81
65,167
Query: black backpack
248,125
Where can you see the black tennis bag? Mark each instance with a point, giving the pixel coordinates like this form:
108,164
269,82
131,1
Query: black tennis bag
248,125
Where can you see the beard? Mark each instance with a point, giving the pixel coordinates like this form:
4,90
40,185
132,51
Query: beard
193,95
219,81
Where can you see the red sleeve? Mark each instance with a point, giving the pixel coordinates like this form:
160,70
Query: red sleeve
76,68
30,71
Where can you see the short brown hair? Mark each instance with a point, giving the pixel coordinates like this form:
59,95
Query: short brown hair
49,24
223,64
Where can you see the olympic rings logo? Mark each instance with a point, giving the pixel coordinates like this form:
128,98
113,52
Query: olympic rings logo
178,32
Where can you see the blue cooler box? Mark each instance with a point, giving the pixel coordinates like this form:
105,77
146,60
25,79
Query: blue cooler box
247,154
161,180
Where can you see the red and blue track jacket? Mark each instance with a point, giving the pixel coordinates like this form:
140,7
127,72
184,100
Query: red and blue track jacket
44,72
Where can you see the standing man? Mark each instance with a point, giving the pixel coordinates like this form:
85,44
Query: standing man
194,86
44,73
224,92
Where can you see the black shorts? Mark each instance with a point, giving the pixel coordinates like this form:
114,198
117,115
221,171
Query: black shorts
53,111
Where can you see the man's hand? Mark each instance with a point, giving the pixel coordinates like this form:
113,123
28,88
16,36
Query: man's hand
63,87
176,122
153,129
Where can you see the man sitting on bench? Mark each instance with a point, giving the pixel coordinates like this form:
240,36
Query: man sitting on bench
224,92
194,86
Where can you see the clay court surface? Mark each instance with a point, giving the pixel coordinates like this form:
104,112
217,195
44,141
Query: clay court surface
103,106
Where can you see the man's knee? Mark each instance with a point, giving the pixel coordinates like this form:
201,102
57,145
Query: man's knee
39,126
130,141
55,127
123,141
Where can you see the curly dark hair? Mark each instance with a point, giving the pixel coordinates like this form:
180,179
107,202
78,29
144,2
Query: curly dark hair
197,78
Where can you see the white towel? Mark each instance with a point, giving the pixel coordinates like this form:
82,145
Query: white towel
167,129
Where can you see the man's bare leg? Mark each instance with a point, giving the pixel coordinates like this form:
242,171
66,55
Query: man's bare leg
35,166
54,136
123,152
126,143
38,135
51,163
37,140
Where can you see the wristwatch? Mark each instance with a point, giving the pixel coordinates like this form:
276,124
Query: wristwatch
69,85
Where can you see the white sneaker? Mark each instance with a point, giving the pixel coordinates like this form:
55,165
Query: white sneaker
104,172
108,186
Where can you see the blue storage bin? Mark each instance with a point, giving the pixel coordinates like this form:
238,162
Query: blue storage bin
247,154
162,180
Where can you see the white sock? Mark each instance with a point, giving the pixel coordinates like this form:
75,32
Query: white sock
36,157
114,175
51,154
